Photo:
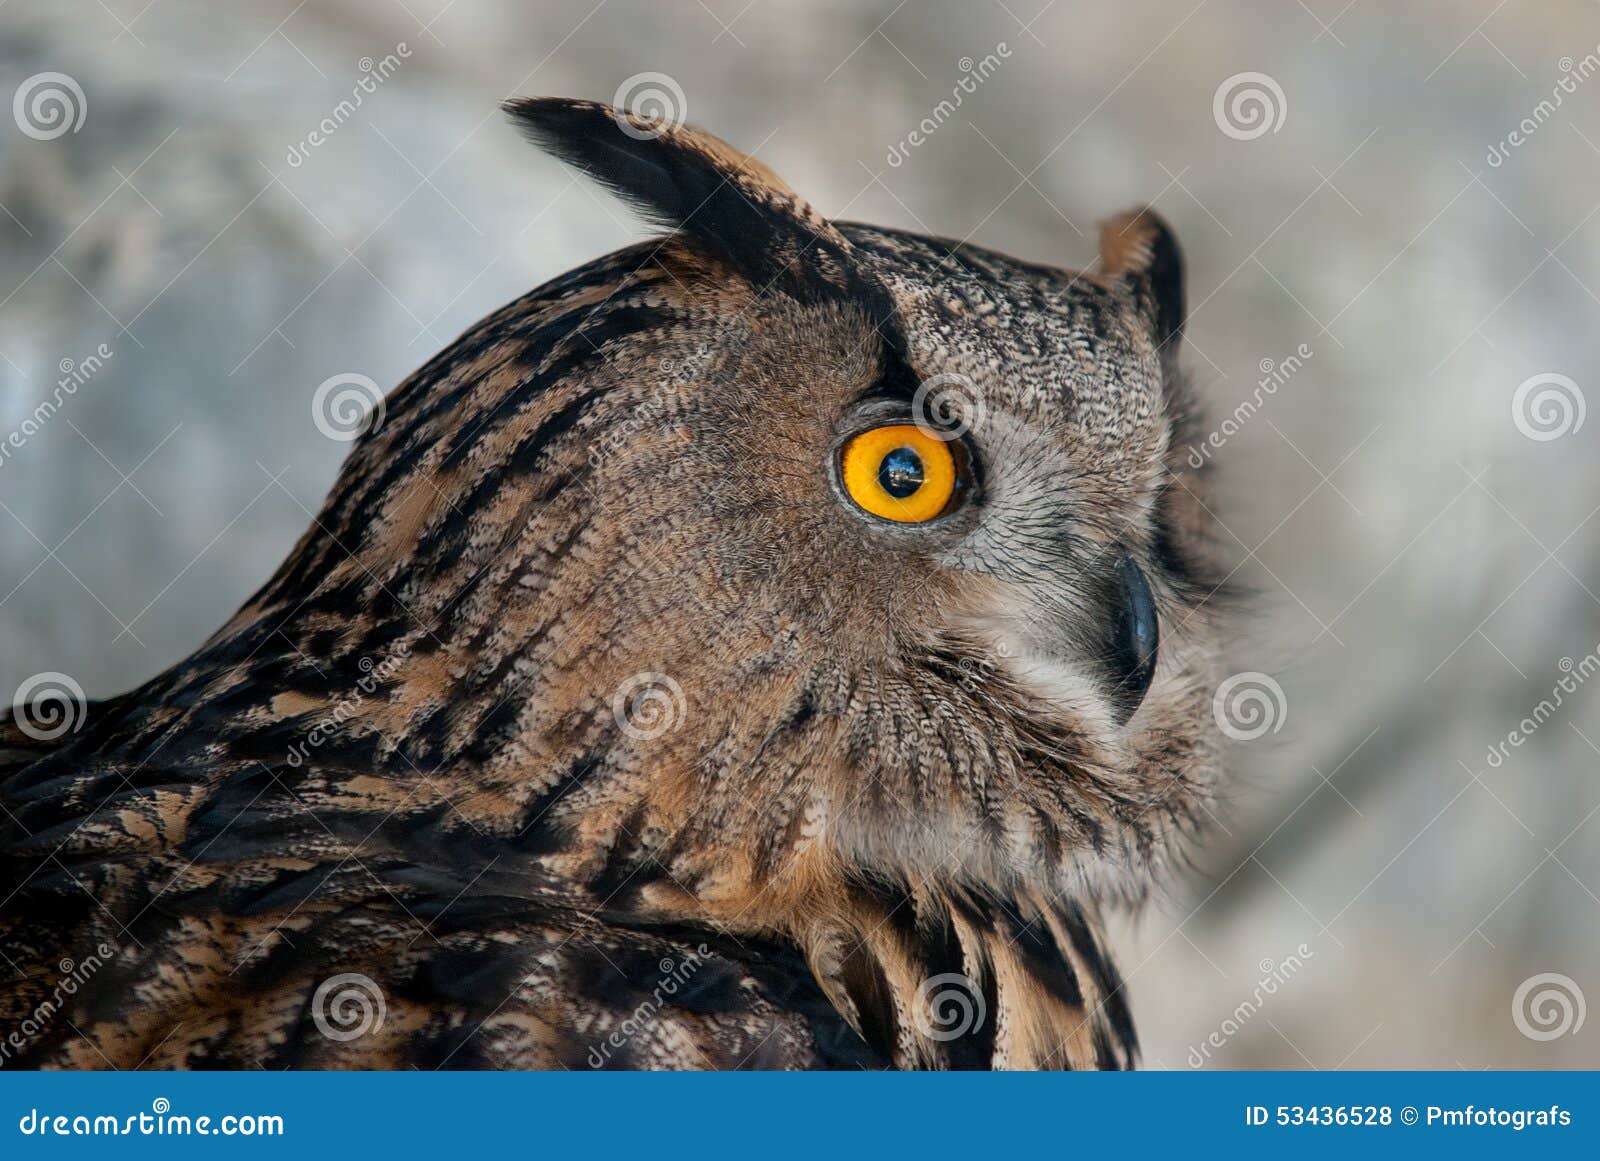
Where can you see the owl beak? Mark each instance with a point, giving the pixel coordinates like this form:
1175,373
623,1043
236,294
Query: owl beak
1132,638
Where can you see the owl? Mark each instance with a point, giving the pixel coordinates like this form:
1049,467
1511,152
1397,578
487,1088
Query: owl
778,644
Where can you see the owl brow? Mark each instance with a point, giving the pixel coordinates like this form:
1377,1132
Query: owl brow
896,381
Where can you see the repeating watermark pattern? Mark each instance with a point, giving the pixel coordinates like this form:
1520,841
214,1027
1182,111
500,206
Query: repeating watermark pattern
1249,105
1548,406
948,406
949,1006
656,97
49,105
676,373
346,407
1273,976
1573,74
674,974
48,706
681,372
373,74
1577,672
1274,374
974,73
1548,1006
348,1006
973,672
648,705
75,373
74,974
373,675
1249,705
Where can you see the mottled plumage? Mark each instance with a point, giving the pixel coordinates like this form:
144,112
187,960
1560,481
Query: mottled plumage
593,726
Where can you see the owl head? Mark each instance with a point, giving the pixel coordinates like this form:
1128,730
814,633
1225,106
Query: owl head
777,550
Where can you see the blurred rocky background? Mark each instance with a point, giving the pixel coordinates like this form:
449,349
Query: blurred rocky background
1390,217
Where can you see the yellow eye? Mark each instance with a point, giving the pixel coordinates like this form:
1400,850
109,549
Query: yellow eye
900,473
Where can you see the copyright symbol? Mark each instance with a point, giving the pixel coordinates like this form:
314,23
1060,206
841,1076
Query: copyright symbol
1408,1115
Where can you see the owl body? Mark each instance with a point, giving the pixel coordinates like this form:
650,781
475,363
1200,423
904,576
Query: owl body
611,715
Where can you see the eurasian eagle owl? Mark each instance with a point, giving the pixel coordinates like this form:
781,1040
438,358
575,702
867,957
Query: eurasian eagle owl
769,645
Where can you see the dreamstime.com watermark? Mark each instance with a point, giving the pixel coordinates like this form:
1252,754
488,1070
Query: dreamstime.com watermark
1573,74
1249,705
1249,105
49,105
1274,374
974,73
1576,673
653,97
75,373
74,974
1548,1006
974,672
348,1006
648,705
373,74
949,1006
373,674
48,706
948,406
1273,976
676,374
1548,406
674,974
347,406
160,1121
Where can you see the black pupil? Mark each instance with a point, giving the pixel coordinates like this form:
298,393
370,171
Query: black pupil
900,473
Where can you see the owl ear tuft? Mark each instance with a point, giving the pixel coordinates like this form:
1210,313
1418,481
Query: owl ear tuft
1139,254
681,178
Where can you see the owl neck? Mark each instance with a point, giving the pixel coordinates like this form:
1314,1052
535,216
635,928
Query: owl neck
939,977
932,972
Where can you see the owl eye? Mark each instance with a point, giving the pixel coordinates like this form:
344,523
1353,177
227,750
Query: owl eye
900,472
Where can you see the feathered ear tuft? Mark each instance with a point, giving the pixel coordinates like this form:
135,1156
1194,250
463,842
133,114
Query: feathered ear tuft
735,207
1140,255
